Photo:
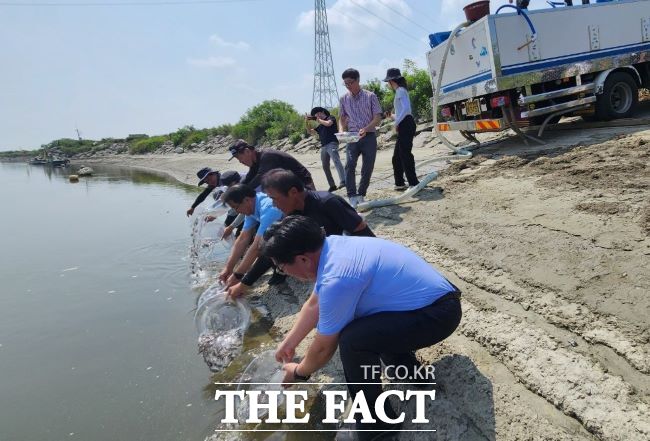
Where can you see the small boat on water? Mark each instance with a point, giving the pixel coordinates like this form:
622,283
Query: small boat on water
60,162
54,162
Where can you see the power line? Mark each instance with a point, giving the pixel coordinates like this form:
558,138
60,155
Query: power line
386,21
374,30
136,3
422,14
404,16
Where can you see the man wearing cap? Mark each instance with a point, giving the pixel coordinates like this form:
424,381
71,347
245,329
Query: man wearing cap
209,176
359,111
259,162
233,219
326,130
260,213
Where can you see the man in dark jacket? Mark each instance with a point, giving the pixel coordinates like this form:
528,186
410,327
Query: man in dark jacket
260,162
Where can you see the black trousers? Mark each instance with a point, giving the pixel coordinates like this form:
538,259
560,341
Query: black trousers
393,338
403,161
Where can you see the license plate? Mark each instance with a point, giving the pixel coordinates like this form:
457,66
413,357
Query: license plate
473,107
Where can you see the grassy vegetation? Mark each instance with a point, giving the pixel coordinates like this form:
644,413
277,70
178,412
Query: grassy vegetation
147,145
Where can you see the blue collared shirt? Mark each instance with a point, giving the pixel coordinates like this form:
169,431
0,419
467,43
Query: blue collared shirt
360,276
264,215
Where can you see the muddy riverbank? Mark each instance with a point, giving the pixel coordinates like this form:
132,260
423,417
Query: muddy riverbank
550,246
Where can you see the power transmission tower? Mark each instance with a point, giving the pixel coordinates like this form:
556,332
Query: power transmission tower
325,91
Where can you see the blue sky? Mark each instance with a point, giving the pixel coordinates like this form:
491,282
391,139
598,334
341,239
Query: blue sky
114,70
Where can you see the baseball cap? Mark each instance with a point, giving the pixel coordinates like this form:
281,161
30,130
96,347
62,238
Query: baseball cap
239,146
229,177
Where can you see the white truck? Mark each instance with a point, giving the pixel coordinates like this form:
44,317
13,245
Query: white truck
522,68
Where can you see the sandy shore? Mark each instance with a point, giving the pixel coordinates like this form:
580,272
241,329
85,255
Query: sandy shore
550,246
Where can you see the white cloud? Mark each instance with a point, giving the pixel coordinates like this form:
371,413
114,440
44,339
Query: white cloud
220,42
215,62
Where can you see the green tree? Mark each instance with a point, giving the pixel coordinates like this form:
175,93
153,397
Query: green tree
270,120
380,89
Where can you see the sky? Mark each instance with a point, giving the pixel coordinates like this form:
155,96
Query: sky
111,68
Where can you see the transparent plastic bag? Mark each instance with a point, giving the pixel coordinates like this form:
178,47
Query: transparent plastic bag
208,251
221,324
217,314
262,374
212,291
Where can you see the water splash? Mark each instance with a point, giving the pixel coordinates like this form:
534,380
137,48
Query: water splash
208,251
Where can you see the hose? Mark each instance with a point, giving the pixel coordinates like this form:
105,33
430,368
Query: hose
521,12
458,153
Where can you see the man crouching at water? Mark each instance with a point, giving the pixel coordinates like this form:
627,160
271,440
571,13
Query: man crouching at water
260,212
374,299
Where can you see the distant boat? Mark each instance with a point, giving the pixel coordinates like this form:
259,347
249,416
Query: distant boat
59,162
53,162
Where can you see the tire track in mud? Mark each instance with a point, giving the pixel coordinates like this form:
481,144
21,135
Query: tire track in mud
604,403
577,394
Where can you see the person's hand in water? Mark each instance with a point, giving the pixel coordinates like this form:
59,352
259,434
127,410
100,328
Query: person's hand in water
236,291
227,232
285,352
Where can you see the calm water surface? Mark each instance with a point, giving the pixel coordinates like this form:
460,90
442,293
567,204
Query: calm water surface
97,339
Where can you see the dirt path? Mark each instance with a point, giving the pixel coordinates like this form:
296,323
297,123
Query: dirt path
550,246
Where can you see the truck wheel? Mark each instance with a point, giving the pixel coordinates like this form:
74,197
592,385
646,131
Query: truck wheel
619,98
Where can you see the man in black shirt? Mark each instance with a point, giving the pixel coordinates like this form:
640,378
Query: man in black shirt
260,162
326,130
331,211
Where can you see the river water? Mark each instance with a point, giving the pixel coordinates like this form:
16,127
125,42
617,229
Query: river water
97,333
97,337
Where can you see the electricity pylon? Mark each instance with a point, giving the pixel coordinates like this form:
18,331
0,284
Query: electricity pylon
325,90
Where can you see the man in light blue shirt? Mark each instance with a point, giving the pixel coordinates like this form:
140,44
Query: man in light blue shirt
373,299
260,212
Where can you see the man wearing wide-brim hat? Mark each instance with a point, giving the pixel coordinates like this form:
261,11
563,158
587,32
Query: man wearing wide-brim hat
326,131
209,176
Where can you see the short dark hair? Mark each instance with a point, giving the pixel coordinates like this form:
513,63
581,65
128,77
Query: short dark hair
282,180
351,73
237,193
291,236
